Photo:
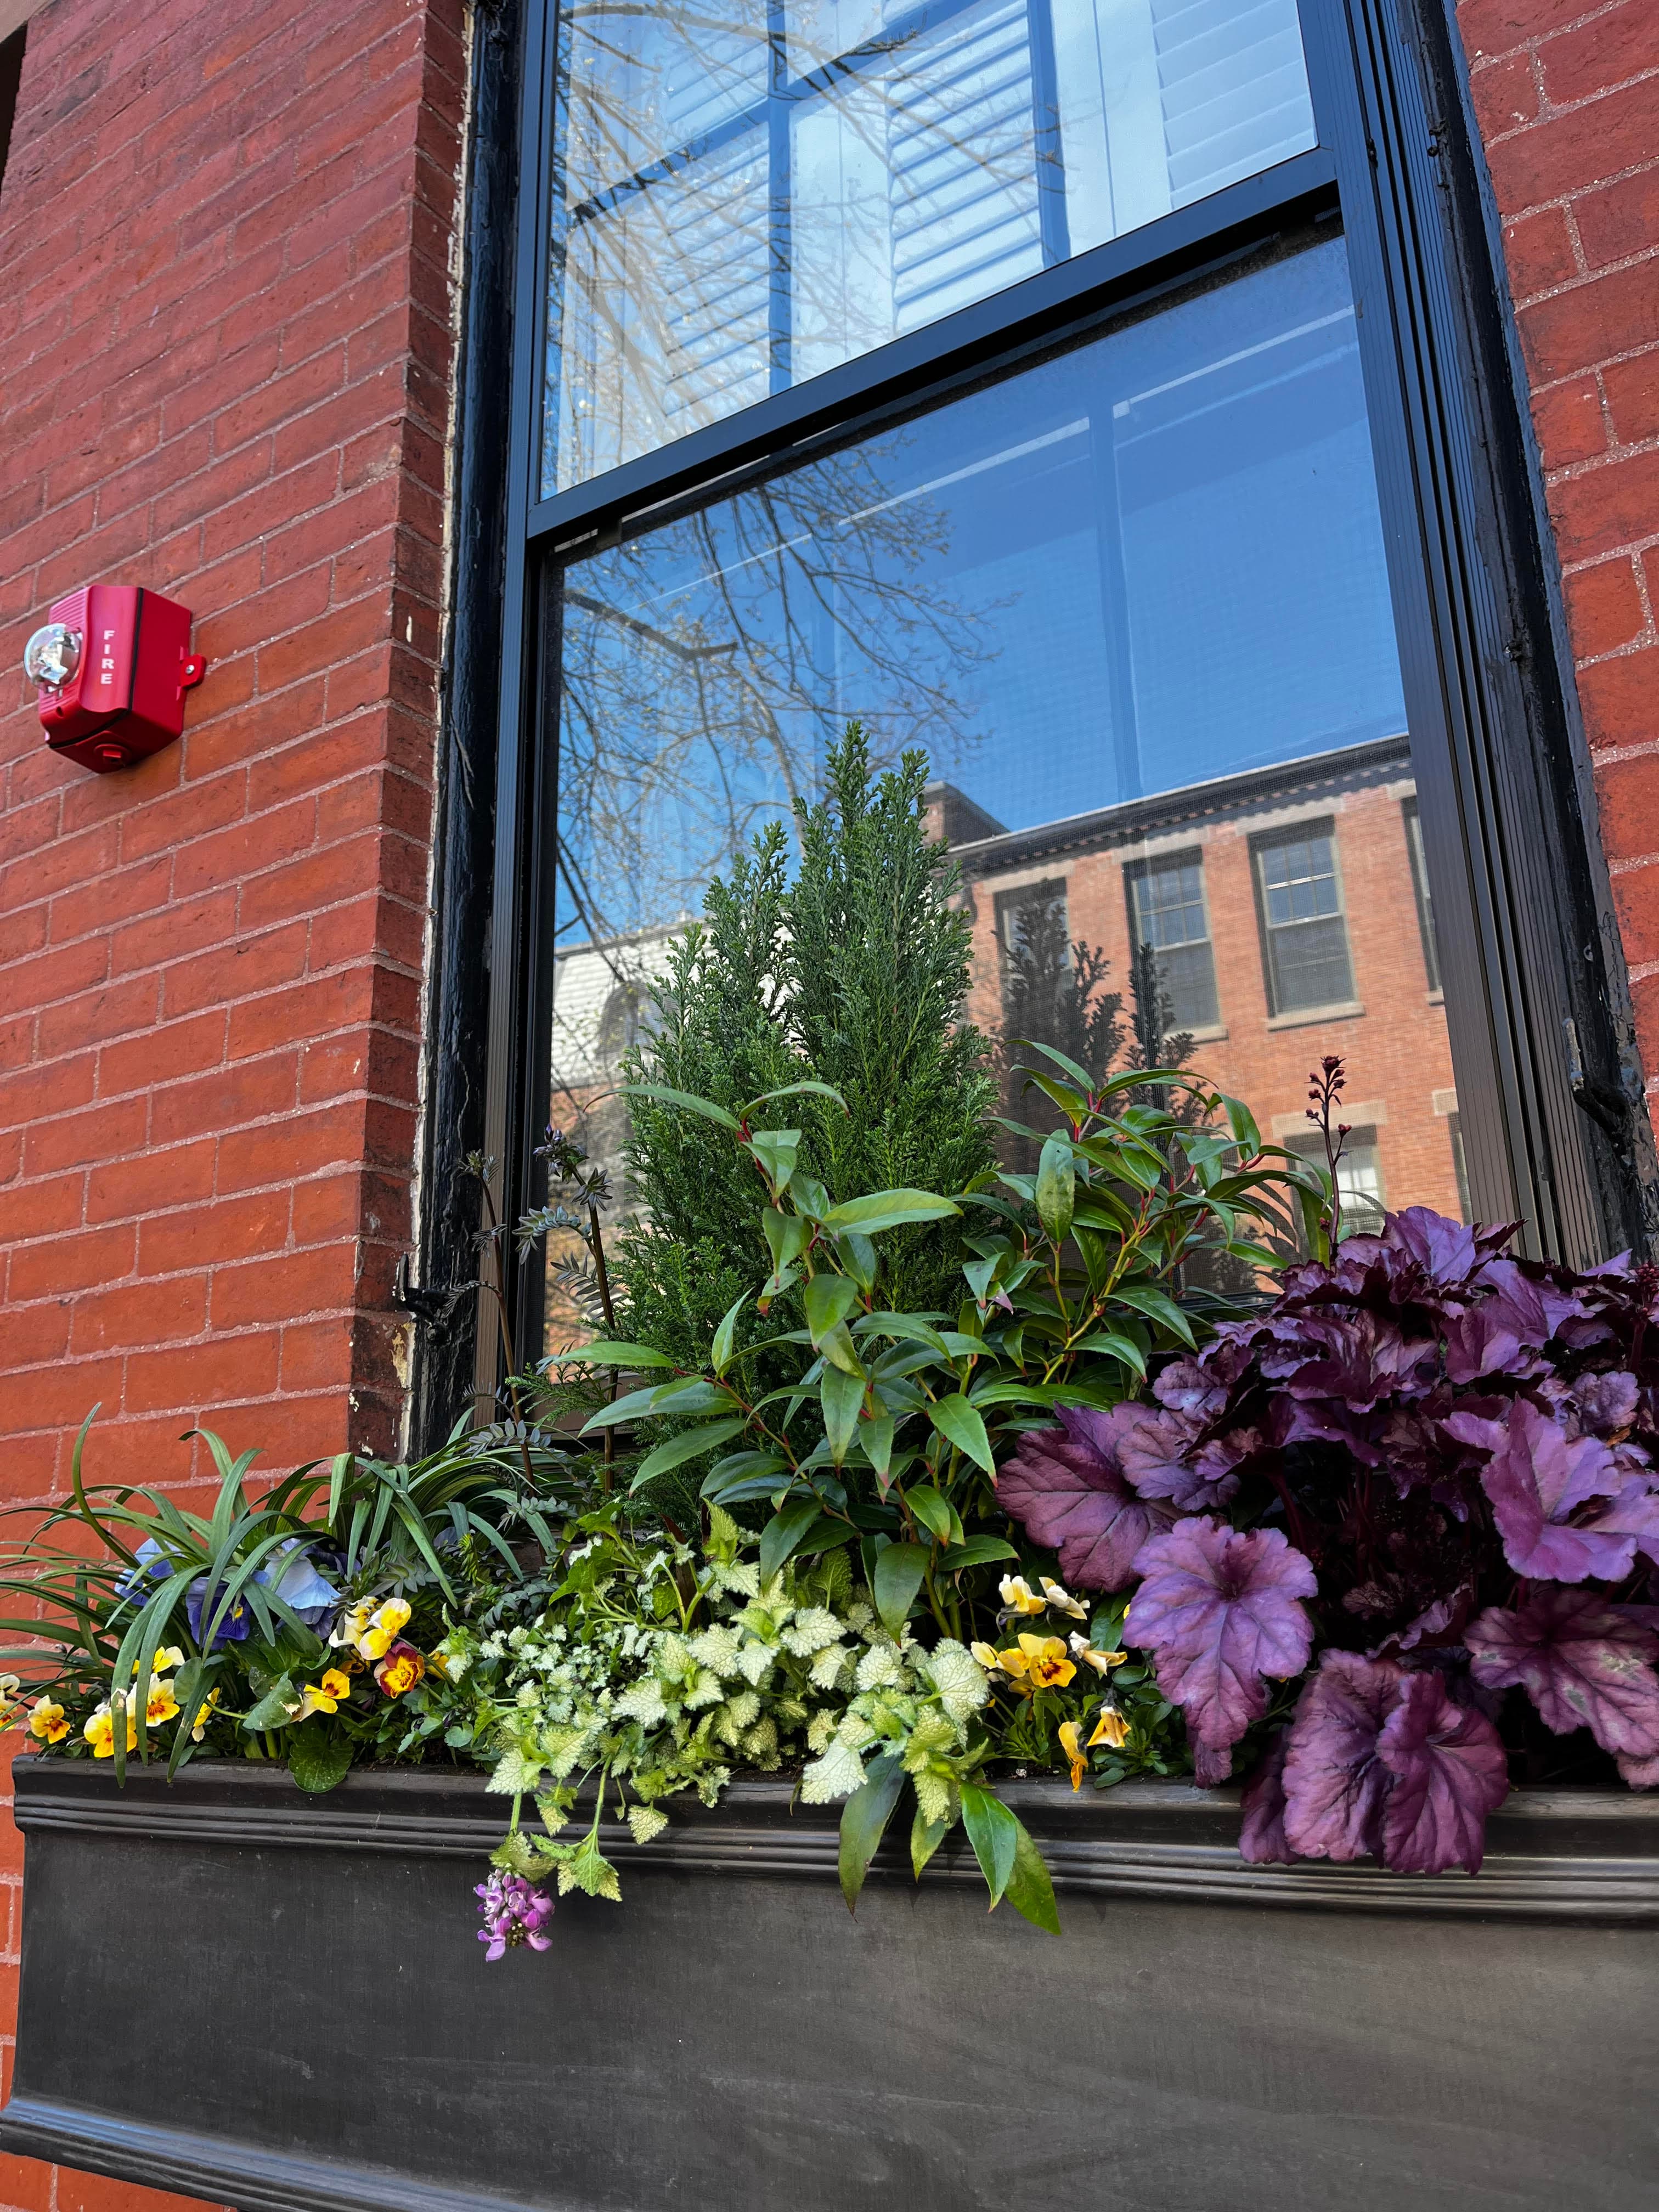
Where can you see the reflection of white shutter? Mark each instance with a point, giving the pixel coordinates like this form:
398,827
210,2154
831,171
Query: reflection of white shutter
1235,90
962,185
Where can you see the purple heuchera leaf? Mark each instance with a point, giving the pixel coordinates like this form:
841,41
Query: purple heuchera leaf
1065,1488
1640,1774
1221,1611
1606,1403
1161,1458
1336,1784
1261,1837
1583,1661
1450,1771
1537,1476
1357,1359
1503,1333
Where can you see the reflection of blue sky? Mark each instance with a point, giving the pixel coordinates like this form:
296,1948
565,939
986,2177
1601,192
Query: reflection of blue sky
1163,551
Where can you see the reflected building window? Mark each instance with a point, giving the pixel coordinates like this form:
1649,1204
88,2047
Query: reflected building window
1413,822
1358,1177
1167,912
1304,932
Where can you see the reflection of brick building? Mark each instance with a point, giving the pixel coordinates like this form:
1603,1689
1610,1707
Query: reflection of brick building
1289,911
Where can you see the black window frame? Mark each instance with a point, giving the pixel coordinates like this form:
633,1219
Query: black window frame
1537,1003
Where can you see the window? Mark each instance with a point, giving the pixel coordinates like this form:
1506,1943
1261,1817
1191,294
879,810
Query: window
1420,885
749,195
990,371
1167,912
11,71
1358,1177
1303,928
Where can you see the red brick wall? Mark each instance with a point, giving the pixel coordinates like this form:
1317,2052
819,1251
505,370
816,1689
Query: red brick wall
225,346
1568,100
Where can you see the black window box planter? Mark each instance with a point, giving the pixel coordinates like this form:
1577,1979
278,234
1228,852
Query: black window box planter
240,1993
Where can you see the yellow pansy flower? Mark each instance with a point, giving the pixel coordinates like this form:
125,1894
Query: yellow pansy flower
11,1707
1102,1662
198,1726
1073,1750
163,1704
1061,1600
1040,1660
986,1657
47,1721
1110,1728
100,1732
1018,1597
325,1697
164,1661
383,1629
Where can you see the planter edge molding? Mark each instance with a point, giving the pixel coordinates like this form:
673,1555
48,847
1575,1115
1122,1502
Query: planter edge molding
1555,1855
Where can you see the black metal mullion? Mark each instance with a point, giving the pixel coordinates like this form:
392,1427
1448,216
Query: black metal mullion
1158,256
779,210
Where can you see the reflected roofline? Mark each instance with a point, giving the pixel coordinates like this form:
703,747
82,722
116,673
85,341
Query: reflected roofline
1224,794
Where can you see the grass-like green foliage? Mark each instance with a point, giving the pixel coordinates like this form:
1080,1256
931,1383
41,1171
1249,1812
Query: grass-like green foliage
120,1574
853,973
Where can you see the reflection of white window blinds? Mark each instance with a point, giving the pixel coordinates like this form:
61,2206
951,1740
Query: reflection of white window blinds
1234,88
962,175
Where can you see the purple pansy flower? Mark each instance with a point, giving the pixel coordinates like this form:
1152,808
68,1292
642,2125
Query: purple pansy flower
512,1914
1065,1486
1583,1661
1222,1612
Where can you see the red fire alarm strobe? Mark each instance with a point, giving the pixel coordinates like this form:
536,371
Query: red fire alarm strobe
114,665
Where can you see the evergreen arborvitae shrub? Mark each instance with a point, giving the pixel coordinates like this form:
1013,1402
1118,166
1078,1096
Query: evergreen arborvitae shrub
855,974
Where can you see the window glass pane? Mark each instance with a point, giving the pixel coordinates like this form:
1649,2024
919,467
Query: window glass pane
746,196
1425,902
1133,604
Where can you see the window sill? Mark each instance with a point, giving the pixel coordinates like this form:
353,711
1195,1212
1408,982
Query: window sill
1436,999
1213,1034
1341,1009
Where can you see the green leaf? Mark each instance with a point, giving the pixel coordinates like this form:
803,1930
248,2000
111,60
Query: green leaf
777,1151
810,1088
842,1396
720,1352
936,1513
887,1209
959,1423
1056,1186
909,1326
995,1834
899,1570
783,1533
864,1821
686,1445
876,1435
828,1299
665,1097
1157,1305
318,1759
786,1236
1029,1889
1052,1053
977,1551
1114,1347
273,1710
925,1836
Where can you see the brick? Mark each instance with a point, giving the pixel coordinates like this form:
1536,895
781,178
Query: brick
1505,94
144,1313
1569,421
174,1175
251,964
1620,220
1614,46
162,1054
235,1228
302,1144
1621,699
39,1094
301,1015
50,1269
1604,607
1538,253
41,1209
1590,322
200,1377
282,1289
114,1010
1601,508
225,1099
1632,389
244,848
1572,149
